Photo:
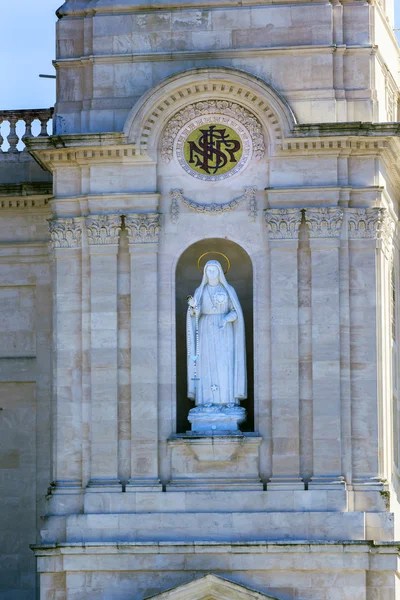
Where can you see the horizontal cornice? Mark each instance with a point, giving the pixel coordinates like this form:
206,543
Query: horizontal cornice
82,8
228,53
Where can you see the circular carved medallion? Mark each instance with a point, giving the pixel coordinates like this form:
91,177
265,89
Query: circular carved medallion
213,147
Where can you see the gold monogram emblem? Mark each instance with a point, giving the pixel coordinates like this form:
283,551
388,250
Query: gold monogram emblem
213,149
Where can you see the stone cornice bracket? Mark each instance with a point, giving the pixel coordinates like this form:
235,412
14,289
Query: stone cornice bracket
283,223
230,109
103,230
324,222
65,233
143,228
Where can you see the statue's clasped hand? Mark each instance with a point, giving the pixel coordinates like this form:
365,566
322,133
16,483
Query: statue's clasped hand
223,323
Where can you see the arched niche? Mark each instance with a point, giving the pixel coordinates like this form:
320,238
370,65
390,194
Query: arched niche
188,278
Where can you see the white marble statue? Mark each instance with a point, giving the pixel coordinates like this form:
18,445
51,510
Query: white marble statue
216,361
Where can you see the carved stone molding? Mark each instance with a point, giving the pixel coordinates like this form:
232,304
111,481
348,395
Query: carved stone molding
174,208
214,208
283,223
372,223
365,223
143,228
324,222
65,233
386,233
253,209
103,229
199,109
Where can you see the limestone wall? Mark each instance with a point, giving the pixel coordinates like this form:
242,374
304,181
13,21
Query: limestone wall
318,55
25,391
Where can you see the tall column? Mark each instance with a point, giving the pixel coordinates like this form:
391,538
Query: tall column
66,235
103,235
143,233
283,229
370,236
324,227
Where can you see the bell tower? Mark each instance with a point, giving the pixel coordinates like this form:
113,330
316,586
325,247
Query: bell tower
243,154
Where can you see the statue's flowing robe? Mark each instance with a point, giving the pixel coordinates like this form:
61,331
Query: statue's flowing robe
220,374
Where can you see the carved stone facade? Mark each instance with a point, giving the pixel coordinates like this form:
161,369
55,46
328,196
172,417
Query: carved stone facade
201,109
143,229
103,229
283,223
324,222
256,134
66,233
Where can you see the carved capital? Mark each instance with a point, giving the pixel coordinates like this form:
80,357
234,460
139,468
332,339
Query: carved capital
283,223
65,233
143,228
365,223
103,229
324,222
371,223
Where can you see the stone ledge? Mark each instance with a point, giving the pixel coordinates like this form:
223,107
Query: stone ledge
214,527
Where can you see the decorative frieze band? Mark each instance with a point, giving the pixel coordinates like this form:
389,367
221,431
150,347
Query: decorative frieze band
103,229
143,228
66,233
324,222
283,223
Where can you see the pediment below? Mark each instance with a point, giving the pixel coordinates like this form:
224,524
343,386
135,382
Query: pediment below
211,587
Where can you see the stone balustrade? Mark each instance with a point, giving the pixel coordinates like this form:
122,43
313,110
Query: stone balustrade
22,125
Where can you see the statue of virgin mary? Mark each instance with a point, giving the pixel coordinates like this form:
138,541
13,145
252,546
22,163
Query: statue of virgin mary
216,362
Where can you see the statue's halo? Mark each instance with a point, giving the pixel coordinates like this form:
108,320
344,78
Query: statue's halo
228,262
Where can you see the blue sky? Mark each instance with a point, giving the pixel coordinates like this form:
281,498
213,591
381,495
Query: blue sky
27,48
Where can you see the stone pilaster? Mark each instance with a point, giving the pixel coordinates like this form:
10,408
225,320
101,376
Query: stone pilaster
103,236
143,233
324,228
66,236
283,229
370,233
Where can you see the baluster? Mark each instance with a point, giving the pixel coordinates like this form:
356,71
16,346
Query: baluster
44,119
1,137
12,137
28,129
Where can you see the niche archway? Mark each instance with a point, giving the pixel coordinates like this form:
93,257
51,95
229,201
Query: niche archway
188,278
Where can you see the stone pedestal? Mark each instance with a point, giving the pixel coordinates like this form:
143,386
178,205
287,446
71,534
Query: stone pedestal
220,419
215,463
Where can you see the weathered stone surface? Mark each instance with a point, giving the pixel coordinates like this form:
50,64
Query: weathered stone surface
303,505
